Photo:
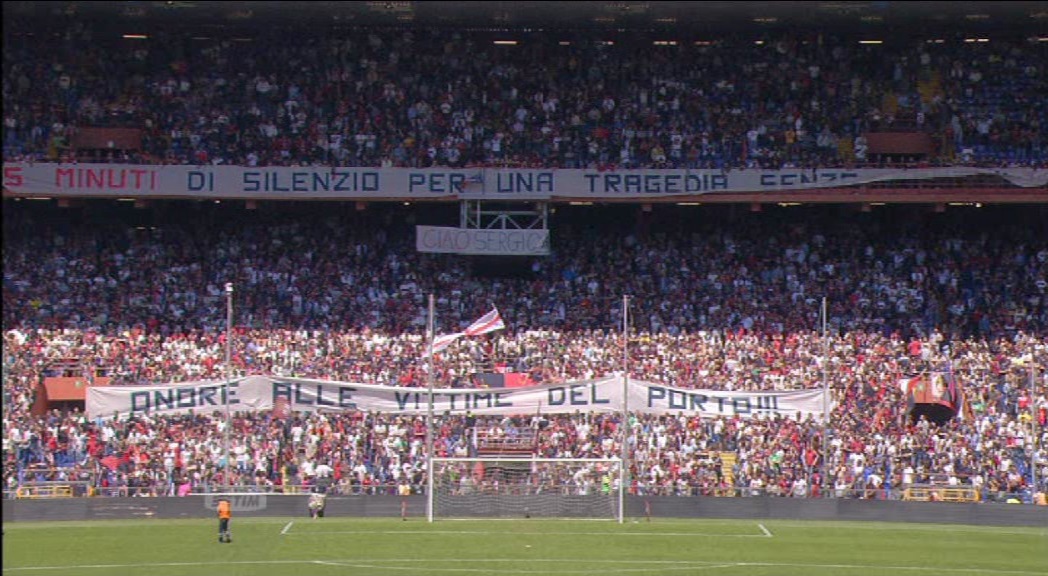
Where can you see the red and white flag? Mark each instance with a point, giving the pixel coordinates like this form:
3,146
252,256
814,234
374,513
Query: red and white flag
487,323
444,340
282,407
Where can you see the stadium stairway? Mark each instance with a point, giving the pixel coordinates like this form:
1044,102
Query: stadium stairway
728,469
890,104
522,444
930,88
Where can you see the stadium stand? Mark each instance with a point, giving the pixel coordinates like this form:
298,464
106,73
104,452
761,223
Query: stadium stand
728,300
422,98
695,331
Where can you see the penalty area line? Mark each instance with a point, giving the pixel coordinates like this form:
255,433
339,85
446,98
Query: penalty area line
286,528
700,565
765,530
308,532
611,566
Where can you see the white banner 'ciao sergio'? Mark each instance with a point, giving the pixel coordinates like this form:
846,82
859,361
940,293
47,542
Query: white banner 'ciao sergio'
601,395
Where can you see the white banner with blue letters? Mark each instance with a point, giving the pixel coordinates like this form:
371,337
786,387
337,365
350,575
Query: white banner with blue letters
601,395
291,183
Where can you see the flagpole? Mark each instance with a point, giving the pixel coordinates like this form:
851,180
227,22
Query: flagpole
3,408
429,413
1033,421
825,403
226,473
623,470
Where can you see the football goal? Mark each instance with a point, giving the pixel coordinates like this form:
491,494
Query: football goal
493,487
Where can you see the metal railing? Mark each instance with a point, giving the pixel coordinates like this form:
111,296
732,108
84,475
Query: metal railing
913,493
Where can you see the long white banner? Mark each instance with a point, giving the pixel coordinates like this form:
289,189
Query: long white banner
602,395
288,183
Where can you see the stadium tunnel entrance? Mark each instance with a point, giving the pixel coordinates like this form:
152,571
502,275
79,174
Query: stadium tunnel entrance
509,267
938,414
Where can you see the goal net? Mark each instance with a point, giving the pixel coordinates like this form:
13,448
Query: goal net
525,488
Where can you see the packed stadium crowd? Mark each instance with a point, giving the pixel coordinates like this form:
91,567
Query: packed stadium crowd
721,304
433,97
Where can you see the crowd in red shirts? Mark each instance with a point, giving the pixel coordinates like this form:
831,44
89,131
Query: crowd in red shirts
731,305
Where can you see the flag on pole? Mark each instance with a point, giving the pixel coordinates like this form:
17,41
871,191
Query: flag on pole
444,340
956,393
487,323
281,407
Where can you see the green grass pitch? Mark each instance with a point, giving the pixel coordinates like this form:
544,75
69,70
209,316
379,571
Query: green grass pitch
386,547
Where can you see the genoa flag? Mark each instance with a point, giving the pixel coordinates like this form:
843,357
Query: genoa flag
489,322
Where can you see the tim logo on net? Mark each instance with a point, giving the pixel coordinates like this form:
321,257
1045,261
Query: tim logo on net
238,502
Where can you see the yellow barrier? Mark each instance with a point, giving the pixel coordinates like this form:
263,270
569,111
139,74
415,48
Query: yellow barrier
935,494
58,491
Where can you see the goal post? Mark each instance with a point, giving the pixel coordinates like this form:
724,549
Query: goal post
519,488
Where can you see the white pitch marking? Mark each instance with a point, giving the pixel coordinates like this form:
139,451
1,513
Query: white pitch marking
286,528
490,533
867,567
765,530
699,565
664,565
153,565
991,530
692,564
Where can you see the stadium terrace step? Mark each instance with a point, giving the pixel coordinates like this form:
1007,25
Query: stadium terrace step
520,444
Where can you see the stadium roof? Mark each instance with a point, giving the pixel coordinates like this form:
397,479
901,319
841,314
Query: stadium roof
844,16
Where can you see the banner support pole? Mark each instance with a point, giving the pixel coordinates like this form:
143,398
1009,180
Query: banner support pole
825,404
624,476
431,336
